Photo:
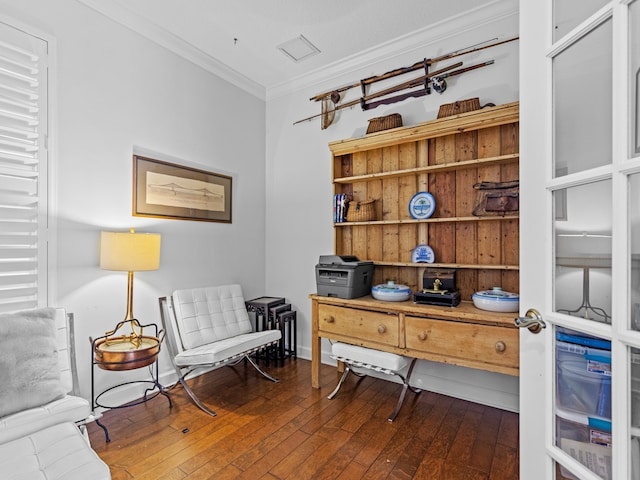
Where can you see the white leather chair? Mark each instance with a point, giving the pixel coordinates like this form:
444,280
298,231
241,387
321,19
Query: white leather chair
209,327
70,408
59,451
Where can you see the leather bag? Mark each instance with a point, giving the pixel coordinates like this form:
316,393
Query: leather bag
497,198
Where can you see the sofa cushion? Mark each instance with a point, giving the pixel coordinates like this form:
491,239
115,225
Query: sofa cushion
57,452
210,314
29,360
226,349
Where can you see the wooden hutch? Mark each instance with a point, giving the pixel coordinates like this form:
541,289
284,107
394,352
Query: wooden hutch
444,157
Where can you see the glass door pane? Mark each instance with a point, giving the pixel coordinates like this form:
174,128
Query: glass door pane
583,400
634,261
634,81
582,228
634,401
568,14
582,116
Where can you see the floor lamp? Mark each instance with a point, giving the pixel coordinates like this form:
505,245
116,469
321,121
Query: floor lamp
128,252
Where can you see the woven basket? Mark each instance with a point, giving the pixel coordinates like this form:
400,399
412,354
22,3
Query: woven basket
361,211
384,123
461,106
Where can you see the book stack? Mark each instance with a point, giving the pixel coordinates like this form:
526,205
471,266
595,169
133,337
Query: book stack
340,206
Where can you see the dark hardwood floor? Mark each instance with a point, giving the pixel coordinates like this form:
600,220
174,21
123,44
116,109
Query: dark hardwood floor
288,430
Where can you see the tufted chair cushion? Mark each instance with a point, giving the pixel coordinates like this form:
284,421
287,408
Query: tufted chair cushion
67,409
59,452
210,314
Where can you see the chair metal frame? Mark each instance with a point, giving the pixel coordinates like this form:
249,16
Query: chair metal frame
167,316
350,364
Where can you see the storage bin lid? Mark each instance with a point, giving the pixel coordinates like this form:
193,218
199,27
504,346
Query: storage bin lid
587,341
598,423
588,353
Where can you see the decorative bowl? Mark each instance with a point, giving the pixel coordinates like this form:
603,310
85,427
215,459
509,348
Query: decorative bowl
390,292
496,300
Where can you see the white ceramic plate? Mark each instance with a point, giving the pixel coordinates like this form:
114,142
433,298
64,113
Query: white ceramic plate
423,254
422,205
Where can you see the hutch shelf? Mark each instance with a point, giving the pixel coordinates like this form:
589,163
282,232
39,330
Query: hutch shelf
444,157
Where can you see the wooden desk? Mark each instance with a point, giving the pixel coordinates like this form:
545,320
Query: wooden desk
462,335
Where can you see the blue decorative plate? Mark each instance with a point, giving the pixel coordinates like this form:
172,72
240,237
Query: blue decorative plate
422,205
422,254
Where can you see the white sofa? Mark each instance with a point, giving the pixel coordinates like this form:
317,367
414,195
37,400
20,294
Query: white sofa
42,418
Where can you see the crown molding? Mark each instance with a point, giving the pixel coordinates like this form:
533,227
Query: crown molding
120,14
478,18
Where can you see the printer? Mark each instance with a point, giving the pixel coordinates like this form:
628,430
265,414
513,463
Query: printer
343,276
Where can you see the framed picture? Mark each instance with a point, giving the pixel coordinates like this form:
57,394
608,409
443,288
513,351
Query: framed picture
167,190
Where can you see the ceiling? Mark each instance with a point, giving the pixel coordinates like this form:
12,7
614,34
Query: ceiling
242,36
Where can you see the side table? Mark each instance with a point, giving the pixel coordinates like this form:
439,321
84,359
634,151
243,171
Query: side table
261,307
118,353
287,323
274,313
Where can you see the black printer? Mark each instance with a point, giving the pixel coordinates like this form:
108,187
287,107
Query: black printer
343,276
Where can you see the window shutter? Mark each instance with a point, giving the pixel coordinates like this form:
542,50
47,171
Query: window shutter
23,161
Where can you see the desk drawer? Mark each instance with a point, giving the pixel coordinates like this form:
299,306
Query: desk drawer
360,324
483,344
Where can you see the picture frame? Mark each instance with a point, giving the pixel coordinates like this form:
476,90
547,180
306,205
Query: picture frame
168,190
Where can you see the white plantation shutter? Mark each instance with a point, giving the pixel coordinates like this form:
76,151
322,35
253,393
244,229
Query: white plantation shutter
23,161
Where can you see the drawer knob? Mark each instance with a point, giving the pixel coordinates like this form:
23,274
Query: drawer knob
382,329
422,336
500,346
330,319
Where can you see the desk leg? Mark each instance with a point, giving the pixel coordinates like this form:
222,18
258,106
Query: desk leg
586,303
315,346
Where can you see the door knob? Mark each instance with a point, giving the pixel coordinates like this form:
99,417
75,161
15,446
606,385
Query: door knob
532,320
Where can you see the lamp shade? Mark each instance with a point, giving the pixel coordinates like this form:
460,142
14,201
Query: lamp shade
129,251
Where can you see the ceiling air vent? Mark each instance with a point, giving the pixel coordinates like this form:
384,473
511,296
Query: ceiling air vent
298,49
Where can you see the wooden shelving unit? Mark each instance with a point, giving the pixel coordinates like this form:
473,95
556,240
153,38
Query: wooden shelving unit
445,157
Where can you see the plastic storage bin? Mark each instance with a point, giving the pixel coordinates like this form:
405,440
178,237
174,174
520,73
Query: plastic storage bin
587,439
583,376
635,389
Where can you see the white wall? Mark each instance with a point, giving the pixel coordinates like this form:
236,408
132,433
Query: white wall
298,169
118,93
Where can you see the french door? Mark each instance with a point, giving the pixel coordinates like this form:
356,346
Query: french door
580,235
